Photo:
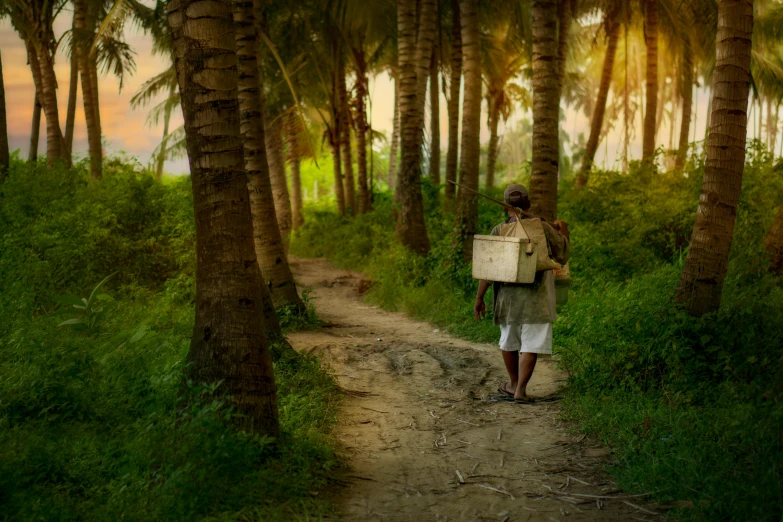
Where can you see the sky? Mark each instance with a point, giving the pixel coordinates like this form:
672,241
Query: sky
125,130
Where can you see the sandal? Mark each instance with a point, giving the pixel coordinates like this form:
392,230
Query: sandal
504,390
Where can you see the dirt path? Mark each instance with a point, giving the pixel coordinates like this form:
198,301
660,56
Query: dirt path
423,441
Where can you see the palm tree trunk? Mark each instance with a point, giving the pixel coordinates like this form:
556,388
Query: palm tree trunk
277,174
453,103
46,84
161,159
701,282
411,229
395,139
345,140
597,121
334,146
651,39
687,106
770,123
96,98
546,110
467,206
773,139
492,152
365,205
229,343
5,156
35,131
70,115
425,43
293,127
434,119
88,94
773,243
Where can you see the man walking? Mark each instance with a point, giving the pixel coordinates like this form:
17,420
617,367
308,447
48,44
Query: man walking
525,312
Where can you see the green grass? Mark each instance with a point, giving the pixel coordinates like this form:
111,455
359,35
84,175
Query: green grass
99,422
692,407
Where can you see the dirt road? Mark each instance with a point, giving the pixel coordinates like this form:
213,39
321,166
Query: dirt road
423,440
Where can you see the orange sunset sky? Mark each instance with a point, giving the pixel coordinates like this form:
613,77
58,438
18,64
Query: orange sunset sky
125,130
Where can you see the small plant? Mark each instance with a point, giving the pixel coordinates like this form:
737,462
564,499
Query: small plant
85,312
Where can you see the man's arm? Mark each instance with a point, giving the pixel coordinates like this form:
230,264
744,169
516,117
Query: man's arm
479,308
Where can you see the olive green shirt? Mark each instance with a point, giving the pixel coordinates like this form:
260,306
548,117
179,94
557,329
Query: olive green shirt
531,303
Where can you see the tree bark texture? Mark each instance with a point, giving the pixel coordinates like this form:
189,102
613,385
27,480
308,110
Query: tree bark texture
453,103
277,174
435,118
411,229
161,159
267,236
701,282
345,140
293,127
88,89
365,204
42,65
773,243
70,115
651,82
229,342
687,106
564,15
467,205
5,156
492,151
597,121
395,138
546,110
35,130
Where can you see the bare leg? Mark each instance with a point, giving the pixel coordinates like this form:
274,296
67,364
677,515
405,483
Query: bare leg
527,363
511,359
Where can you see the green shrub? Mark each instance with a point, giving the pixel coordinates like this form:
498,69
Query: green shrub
97,420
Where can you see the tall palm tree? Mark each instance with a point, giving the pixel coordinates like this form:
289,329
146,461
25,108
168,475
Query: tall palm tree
293,132
5,157
345,138
612,29
546,110
651,39
82,45
411,229
35,129
435,117
273,128
686,89
502,64
395,137
467,207
455,82
73,86
33,20
701,282
229,344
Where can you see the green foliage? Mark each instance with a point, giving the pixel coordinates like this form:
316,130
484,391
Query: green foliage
692,406
97,420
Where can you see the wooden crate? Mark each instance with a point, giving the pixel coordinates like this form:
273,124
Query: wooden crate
503,259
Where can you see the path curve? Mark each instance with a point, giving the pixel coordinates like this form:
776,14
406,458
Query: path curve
422,440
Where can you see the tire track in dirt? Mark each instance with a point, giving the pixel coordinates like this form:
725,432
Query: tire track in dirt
422,439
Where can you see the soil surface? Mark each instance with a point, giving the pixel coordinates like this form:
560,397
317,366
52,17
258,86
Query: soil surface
421,436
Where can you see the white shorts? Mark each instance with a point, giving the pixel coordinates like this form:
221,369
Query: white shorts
531,338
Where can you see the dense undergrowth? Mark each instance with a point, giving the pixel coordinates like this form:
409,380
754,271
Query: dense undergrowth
95,423
692,407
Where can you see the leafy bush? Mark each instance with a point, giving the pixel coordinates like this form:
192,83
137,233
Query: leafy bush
97,420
